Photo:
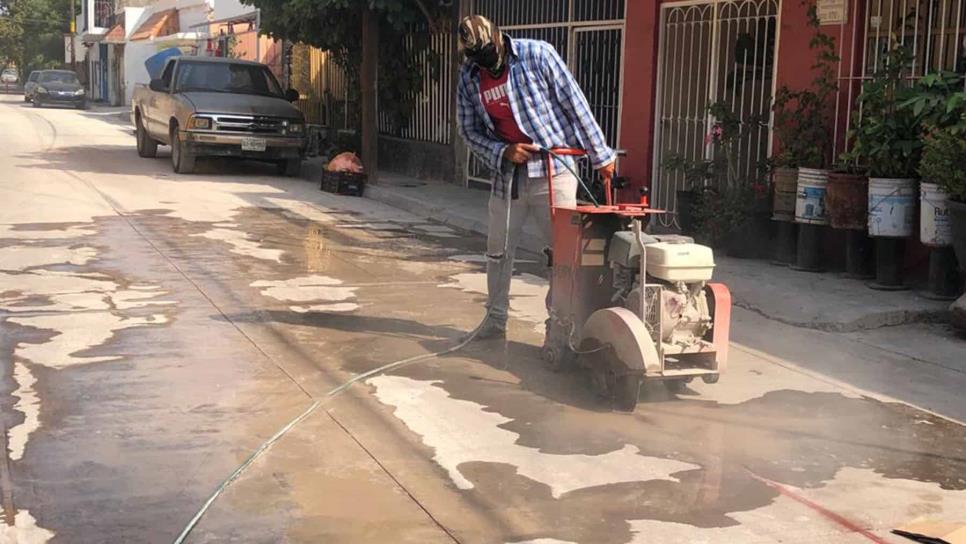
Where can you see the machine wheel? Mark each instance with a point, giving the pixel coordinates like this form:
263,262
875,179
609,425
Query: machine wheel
289,167
677,386
710,378
36,102
627,388
147,147
557,359
182,161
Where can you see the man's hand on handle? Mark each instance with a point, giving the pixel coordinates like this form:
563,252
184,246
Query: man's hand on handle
607,171
523,153
520,153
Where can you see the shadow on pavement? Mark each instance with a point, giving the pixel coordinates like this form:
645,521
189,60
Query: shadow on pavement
520,359
124,160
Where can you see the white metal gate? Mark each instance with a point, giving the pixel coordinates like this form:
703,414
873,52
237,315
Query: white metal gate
589,36
710,52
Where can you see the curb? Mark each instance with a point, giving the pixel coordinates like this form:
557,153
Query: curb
865,323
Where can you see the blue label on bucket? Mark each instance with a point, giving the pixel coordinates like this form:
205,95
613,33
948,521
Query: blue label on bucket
814,193
811,205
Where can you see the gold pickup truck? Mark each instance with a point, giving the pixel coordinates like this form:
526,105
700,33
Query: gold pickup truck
218,107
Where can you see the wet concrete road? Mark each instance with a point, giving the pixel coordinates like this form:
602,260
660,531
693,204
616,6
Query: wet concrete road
157,328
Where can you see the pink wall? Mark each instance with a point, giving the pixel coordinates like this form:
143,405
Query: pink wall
640,86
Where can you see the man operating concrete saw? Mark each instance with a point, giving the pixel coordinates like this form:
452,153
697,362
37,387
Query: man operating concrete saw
517,97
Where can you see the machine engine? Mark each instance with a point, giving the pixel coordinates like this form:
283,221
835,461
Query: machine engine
677,270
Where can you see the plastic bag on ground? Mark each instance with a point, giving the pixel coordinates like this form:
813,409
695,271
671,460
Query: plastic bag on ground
345,162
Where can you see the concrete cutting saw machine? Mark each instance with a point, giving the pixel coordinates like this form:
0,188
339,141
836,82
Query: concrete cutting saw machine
631,306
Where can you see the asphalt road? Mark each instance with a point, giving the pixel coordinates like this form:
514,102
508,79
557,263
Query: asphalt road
157,328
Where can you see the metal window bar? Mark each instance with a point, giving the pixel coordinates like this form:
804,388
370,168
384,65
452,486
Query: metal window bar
432,112
588,34
710,52
103,13
934,30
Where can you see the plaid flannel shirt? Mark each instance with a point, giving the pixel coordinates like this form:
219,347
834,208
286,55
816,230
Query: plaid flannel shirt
547,104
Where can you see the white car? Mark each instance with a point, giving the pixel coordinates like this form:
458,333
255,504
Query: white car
9,76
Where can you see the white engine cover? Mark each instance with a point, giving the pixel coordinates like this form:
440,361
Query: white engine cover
686,262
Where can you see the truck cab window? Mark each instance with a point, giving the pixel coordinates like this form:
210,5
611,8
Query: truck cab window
166,75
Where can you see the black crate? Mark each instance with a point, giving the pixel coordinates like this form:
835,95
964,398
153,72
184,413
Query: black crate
344,183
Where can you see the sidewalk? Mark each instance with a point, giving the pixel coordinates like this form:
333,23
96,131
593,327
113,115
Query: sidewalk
825,302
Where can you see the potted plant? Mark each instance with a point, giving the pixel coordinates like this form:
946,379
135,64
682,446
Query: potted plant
886,140
730,208
697,177
939,101
803,126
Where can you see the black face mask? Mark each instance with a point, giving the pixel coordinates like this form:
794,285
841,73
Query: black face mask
485,57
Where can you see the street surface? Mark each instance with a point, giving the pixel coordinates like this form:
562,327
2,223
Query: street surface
157,328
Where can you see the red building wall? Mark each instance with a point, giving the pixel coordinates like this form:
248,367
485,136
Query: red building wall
640,87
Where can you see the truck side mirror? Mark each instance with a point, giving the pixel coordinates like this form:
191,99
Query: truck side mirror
292,95
158,85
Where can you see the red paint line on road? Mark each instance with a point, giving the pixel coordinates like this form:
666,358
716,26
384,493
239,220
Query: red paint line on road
838,519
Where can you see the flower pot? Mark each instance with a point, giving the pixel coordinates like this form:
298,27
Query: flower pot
892,207
810,197
957,215
751,239
685,209
784,181
847,201
934,221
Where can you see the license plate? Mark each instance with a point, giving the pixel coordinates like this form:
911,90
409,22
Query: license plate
253,144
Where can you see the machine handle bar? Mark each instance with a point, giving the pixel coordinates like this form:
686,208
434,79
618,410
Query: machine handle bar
549,154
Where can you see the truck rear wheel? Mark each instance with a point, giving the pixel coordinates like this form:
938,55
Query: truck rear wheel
182,161
147,146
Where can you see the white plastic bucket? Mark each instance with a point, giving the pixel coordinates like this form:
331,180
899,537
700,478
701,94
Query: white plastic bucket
935,227
892,207
810,201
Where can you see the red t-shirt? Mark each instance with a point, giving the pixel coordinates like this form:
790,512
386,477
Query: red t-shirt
493,93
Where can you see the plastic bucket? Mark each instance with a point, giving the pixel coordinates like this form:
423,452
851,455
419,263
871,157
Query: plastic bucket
785,181
935,223
892,207
810,200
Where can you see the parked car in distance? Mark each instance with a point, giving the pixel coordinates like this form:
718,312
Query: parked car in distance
211,106
9,76
59,87
30,85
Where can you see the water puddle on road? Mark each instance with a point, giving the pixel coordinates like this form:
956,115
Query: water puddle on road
527,295
463,432
55,307
681,470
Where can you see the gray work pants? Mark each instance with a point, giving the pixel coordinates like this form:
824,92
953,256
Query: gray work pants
532,202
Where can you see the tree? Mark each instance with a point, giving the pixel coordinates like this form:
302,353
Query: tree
31,32
405,28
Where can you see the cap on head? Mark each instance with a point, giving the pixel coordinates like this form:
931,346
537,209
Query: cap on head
482,42
475,31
